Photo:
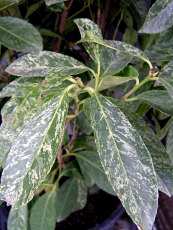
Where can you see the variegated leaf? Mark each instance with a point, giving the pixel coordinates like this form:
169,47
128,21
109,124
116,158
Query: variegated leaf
169,142
90,33
92,170
86,27
160,157
159,18
43,213
111,81
107,60
45,63
33,152
18,219
166,78
52,2
71,196
157,99
19,35
161,52
125,159
7,132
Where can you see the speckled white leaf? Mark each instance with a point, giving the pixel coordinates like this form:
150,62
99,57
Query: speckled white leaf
86,27
44,63
108,60
90,33
71,196
169,142
52,2
166,78
7,132
125,159
160,157
18,219
126,49
19,35
161,51
159,18
4,4
43,212
157,99
92,170
33,152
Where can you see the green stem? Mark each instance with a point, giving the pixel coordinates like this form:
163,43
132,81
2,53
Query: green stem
135,88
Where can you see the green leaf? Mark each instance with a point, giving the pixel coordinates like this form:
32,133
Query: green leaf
161,51
45,63
33,8
7,132
112,61
130,36
109,61
4,4
71,196
87,27
52,2
125,159
157,99
160,157
166,78
111,56
111,81
169,142
92,170
34,151
43,213
19,35
18,219
159,18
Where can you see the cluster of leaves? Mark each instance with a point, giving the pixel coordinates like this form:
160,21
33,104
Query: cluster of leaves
111,144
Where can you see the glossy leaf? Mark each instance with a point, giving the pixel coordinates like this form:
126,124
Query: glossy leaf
18,219
161,51
112,61
125,159
87,27
111,81
160,157
71,196
33,152
159,18
19,35
7,132
92,170
44,63
109,61
157,99
166,78
91,34
43,213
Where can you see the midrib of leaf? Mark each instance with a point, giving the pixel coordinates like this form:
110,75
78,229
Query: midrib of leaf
44,213
66,197
113,48
20,38
46,131
115,145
